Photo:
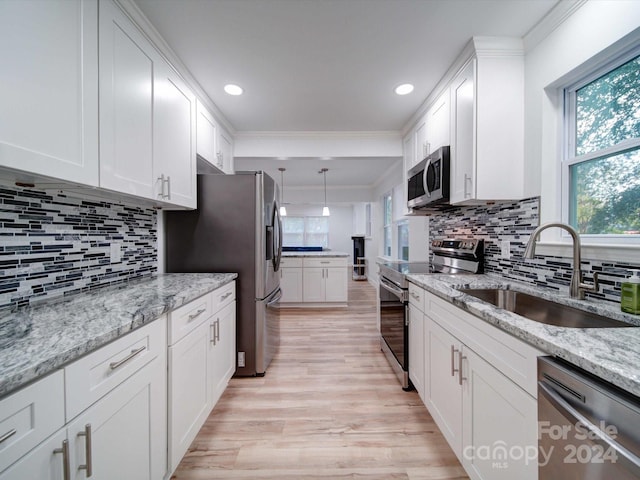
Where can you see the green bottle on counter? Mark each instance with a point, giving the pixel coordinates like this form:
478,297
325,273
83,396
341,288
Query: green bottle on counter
630,294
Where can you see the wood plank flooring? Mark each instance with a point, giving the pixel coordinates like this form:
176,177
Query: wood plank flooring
329,407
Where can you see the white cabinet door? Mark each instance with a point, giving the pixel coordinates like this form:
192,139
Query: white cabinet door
445,396
206,135
174,153
49,78
188,392
438,126
336,287
463,134
313,284
45,462
422,149
225,146
123,435
291,285
126,104
498,417
416,349
222,351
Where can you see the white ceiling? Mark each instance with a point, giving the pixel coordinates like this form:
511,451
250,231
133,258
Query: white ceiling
328,65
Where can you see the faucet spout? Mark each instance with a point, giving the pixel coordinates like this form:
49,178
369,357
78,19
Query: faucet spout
576,288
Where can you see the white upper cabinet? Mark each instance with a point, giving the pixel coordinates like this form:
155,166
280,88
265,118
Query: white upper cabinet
126,104
49,78
147,117
487,138
438,126
207,135
225,149
174,138
421,140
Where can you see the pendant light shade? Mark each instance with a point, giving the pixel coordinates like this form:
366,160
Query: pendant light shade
325,209
283,210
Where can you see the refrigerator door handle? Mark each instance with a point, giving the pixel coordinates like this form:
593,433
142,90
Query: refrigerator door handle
276,298
277,245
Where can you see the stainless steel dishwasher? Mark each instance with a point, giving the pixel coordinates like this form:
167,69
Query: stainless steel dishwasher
587,429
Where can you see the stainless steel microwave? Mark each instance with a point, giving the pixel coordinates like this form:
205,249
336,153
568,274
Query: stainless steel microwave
429,180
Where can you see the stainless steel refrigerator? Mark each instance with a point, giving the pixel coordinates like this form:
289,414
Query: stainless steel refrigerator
236,228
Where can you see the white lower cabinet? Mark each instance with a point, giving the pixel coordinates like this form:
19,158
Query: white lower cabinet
222,352
291,280
480,388
121,434
324,280
416,349
188,398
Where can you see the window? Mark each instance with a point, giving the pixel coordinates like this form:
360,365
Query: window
387,224
601,171
403,240
305,231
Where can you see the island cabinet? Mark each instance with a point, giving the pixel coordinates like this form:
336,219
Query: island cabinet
487,118
479,386
147,117
49,78
324,280
202,350
291,280
103,417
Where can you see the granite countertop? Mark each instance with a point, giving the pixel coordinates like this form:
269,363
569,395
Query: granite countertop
612,354
37,340
325,253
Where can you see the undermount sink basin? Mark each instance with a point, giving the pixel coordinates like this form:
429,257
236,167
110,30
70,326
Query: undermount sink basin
542,310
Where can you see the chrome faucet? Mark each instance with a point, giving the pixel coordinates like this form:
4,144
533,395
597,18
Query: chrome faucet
576,288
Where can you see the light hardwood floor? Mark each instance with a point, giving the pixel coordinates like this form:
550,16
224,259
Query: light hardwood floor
329,407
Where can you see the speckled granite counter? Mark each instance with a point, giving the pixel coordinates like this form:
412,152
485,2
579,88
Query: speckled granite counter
326,253
40,339
610,353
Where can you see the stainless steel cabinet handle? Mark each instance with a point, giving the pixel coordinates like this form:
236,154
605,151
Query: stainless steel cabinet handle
88,466
64,450
225,296
217,331
213,333
324,263
197,314
461,357
467,178
168,187
119,363
8,435
453,362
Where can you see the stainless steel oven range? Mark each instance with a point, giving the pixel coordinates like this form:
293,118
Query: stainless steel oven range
451,256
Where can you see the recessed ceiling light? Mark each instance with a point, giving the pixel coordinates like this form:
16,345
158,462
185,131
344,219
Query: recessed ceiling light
404,89
232,89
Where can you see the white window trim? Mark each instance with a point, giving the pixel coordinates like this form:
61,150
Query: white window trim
554,200
385,226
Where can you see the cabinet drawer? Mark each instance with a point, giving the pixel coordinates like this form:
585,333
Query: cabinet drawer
93,376
325,262
30,415
287,262
416,296
223,296
184,319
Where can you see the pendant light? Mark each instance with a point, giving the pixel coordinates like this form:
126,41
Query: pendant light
325,209
283,210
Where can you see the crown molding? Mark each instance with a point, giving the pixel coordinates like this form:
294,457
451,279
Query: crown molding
550,22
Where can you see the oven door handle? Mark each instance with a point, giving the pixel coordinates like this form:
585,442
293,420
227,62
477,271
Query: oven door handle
386,284
574,416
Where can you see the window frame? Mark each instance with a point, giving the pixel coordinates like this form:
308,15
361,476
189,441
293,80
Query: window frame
387,200
569,157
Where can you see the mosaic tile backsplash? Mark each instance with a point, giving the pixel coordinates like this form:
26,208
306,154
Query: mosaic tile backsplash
515,221
54,244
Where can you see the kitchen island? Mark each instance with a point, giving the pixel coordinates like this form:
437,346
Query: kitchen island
315,278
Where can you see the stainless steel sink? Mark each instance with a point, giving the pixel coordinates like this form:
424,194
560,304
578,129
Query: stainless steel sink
542,310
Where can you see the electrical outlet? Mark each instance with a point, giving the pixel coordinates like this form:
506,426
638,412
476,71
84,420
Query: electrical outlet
240,359
505,249
115,255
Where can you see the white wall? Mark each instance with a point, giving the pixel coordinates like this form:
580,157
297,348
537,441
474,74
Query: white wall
340,224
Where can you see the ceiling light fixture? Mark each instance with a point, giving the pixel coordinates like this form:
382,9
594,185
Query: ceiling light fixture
325,209
283,210
232,89
404,89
